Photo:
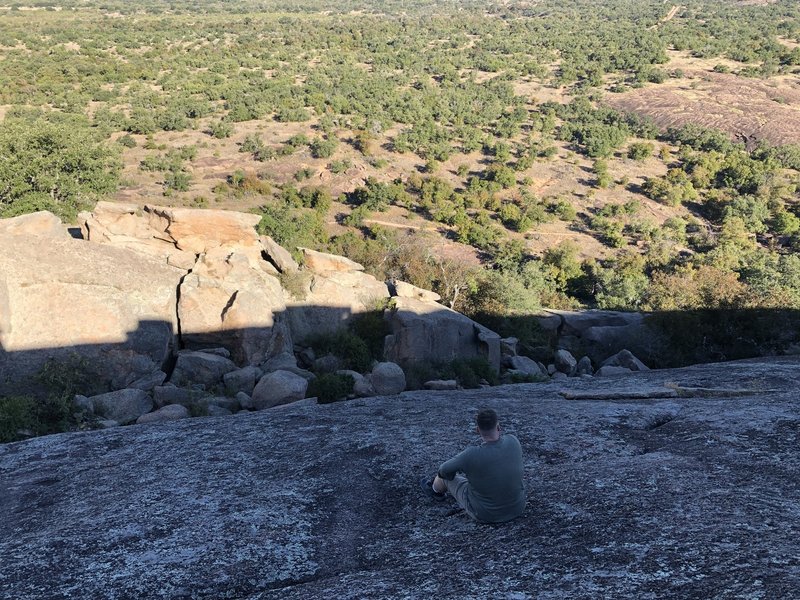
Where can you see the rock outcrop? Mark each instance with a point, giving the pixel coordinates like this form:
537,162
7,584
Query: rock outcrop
600,333
62,296
336,290
427,332
662,497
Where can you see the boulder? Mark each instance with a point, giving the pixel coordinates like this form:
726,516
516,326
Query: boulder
42,224
331,300
406,290
425,332
278,256
242,380
200,230
286,362
215,410
508,346
245,401
322,263
609,370
83,404
601,333
129,226
229,301
525,365
171,394
200,368
565,362
171,412
112,308
278,387
327,364
149,381
229,404
362,387
624,358
388,379
558,375
123,406
584,366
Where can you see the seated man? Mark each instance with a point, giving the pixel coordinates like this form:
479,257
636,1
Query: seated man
486,480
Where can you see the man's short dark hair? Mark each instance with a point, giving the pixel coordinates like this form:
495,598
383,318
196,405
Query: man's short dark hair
486,420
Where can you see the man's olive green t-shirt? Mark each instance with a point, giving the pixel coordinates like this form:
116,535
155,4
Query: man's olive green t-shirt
494,473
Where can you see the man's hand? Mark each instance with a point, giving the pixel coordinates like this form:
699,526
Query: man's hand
439,486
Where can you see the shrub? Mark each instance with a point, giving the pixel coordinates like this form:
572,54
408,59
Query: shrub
17,415
330,387
346,345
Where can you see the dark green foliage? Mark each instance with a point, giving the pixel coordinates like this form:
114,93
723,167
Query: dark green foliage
347,346
330,387
377,196
52,163
18,415
52,410
698,336
372,328
323,148
220,129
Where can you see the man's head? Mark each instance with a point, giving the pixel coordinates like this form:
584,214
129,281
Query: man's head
486,420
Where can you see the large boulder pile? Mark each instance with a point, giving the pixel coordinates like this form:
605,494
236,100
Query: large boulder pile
189,306
599,334
665,497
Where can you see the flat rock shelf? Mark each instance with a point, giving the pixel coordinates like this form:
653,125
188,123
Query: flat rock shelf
673,497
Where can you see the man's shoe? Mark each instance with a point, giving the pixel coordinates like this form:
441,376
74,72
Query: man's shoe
427,486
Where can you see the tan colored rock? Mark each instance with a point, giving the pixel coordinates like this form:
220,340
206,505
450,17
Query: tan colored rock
406,290
109,305
278,255
38,224
128,226
228,301
320,262
332,300
199,230
177,235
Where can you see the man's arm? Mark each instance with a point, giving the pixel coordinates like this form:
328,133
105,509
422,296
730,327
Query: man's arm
458,463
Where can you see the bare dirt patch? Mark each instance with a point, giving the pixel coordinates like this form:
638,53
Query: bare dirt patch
748,109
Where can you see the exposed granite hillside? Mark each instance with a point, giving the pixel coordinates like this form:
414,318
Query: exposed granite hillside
658,498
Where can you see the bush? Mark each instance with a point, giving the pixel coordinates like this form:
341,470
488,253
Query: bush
330,387
347,346
17,415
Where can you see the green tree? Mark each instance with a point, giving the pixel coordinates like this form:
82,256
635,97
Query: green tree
60,167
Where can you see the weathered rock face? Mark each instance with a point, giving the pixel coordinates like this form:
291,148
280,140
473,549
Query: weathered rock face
667,498
228,301
425,331
42,224
64,296
337,290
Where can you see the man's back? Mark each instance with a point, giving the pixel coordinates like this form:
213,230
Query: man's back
494,472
